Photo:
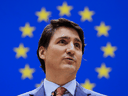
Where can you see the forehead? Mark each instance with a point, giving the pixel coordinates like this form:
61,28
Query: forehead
65,31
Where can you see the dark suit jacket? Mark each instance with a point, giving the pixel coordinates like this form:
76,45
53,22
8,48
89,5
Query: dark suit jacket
80,91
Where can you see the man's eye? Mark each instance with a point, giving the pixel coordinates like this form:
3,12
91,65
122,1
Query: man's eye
77,45
62,41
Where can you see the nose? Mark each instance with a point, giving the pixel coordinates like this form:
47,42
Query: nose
70,49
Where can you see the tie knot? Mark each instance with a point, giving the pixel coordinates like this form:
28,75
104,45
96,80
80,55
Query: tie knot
60,91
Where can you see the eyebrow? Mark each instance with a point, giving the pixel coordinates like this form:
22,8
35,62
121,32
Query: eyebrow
78,40
66,37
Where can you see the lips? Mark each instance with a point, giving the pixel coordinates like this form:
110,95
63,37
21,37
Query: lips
70,58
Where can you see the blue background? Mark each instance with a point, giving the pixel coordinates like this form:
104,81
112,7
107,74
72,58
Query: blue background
15,13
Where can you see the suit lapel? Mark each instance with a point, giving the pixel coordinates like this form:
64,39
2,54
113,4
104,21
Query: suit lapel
79,91
40,91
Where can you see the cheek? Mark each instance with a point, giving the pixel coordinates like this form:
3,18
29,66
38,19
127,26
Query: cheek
58,50
55,53
79,59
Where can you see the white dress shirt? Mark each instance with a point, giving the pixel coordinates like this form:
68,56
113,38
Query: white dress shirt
50,87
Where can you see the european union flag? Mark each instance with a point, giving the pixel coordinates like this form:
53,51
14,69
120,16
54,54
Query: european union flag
104,66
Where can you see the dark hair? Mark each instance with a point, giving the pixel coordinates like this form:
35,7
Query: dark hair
50,29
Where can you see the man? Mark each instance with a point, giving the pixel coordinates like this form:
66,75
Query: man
60,51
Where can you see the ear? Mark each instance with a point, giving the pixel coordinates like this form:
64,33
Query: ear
42,52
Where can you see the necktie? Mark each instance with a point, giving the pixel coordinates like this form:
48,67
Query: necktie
59,91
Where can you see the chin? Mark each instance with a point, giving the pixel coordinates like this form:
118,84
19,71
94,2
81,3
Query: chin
69,68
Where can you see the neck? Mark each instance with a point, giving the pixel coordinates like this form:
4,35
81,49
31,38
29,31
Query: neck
60,79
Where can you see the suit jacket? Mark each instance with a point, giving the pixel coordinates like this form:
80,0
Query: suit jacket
80,91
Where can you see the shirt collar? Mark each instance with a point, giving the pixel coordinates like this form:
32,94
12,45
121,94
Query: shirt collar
71,86
50,87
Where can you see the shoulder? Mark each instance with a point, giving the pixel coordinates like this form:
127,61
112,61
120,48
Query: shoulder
86,91
31,92
28,93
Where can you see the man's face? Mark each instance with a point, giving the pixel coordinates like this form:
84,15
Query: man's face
64,52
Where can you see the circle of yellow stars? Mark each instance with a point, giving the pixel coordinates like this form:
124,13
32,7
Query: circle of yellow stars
109,50
65,9
88,85
103,71
43,15
27,72
86,14
102,29
21,51
27,30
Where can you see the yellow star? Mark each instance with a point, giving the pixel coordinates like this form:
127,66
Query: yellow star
103,71
27,30
86,14
43,15
102,29
109,50
27,72
88,85
21,51
37,85
64,9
